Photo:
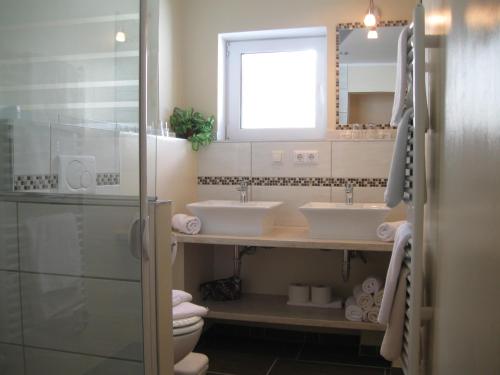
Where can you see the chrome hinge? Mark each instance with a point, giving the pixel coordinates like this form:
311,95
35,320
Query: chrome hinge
227,49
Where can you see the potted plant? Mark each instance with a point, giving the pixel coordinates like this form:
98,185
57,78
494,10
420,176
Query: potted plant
193,126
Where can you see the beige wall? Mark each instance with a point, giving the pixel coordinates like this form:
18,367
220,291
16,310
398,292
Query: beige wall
464,240
170,87
203,20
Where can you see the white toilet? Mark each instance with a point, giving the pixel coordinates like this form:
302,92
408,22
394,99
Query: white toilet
187,332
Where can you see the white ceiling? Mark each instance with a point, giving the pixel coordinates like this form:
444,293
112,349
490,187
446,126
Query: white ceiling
360,49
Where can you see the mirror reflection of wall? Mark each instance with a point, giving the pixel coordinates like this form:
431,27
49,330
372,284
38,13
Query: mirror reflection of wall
367,74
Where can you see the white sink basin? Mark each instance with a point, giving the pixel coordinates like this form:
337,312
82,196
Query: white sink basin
339,221
234,218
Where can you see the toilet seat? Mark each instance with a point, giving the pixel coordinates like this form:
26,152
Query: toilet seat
187,329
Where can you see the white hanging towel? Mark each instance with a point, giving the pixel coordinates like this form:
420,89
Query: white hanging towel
403,235
392,343
401,88
396,183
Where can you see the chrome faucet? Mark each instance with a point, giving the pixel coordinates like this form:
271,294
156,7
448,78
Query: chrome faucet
349,193
243,189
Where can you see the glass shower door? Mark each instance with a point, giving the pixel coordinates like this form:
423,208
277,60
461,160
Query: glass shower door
71,260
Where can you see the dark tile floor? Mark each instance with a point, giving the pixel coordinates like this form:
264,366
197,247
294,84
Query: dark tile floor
239,350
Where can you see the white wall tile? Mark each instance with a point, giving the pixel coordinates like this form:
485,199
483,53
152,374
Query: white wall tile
89,316
293,197
31,148
105,250
225,159
104,145
65,140
263,166
224,192
371,195
10,313
361,194
8,236
12,359
361,158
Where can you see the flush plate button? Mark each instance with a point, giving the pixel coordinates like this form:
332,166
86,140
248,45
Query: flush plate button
76,174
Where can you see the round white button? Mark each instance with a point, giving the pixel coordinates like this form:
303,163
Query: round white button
86,179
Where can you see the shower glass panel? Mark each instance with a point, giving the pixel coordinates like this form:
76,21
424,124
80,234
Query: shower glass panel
71,263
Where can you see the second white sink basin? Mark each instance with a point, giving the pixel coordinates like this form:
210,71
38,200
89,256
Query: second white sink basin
339,221
253,218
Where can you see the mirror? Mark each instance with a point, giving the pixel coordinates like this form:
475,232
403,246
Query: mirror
366,75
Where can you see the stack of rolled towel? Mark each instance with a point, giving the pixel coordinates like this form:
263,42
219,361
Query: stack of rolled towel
364,304
182,308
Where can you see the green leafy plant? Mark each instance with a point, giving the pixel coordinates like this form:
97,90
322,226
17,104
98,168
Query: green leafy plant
193,126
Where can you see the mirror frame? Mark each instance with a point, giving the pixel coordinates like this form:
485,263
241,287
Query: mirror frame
352,26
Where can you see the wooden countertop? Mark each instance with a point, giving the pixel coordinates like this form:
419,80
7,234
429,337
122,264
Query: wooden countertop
288,237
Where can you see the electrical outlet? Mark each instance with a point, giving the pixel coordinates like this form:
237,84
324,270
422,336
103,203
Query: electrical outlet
305,156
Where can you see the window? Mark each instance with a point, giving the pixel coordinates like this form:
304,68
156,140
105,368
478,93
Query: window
274,84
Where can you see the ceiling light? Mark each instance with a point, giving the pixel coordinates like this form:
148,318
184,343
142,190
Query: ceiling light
370,19
121,37
372,34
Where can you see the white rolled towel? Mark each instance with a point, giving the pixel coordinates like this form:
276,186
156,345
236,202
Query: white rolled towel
363,300
186,224
377,297
372,285
371,315
353,312
180,296
188,310
386,231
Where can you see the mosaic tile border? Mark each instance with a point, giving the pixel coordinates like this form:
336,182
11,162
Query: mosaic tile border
351,26
293,181
50,181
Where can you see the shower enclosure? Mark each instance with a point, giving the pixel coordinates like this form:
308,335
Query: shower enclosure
78,284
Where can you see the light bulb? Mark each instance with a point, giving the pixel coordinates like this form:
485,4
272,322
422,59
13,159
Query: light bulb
370,20
121,37
372,34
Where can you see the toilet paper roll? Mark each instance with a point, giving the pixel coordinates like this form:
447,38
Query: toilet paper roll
298,293
321,294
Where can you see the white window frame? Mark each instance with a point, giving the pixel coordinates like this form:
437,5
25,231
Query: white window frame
232,46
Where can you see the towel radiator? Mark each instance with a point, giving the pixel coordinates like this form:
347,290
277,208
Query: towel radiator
415,196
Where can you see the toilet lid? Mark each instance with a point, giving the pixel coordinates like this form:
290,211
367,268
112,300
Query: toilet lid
188,329
186,322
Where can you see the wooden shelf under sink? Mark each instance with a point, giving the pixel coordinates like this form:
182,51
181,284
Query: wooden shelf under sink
272,309
288,237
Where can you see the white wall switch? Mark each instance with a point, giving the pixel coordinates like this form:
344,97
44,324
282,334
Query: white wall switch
305,156
278,156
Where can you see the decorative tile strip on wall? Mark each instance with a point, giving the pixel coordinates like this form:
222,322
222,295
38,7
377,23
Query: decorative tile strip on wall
50,181
294,181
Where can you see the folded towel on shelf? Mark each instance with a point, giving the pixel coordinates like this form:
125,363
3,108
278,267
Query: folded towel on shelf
371,314
396,182
403,235
400,91
188,310
180,296
186,224
377,297
363,300
386,231
372,285
393,338
353,312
